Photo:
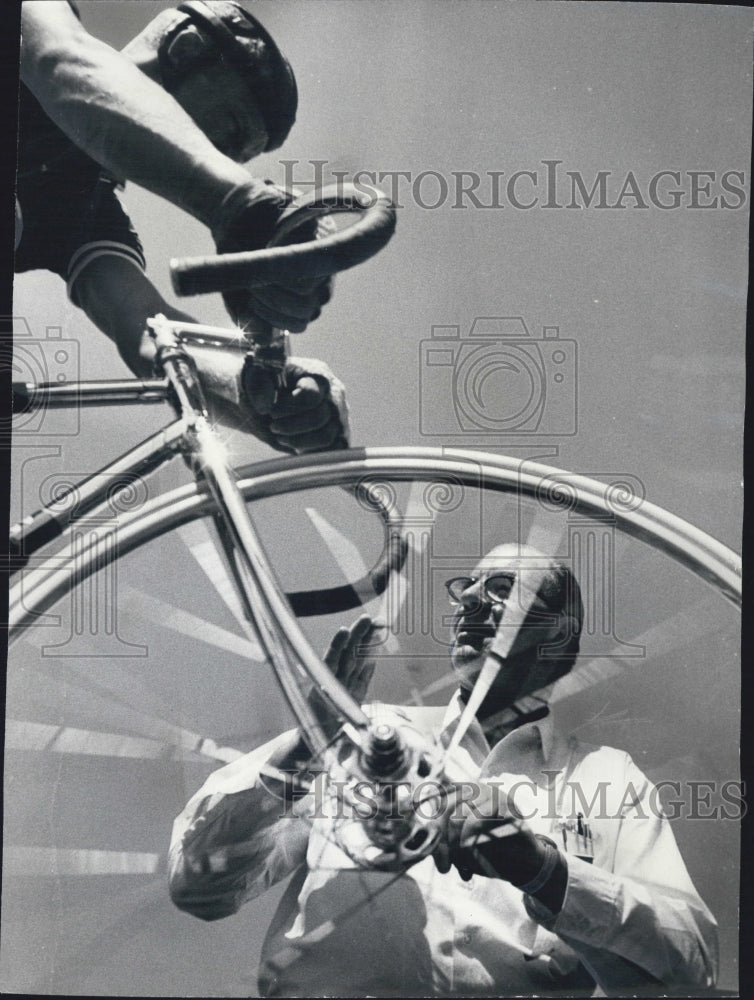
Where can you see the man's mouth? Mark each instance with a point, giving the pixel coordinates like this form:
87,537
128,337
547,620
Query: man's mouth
473,635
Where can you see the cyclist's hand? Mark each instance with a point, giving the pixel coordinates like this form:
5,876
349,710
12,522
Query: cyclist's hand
309,414
246,220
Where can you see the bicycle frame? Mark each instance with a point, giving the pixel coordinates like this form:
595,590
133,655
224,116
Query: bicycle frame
272,620
219,492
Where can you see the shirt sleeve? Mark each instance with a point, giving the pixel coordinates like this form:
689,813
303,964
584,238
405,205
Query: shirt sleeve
106,230
236,837
642,922
69,222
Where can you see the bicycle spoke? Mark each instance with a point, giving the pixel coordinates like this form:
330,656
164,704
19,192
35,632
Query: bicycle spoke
58,862
198,540
102,697
353,566
192,627
347,555
47,738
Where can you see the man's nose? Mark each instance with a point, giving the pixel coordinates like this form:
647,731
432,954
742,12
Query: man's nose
473,596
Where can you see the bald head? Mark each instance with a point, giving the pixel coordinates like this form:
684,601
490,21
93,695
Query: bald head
539,575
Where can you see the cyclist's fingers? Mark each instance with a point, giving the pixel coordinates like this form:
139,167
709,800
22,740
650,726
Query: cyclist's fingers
306,393
356,634
286,308
280,318
260,387
297,298
300,423
318,440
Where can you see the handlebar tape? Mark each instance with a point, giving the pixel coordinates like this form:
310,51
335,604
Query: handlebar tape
299,261
309,603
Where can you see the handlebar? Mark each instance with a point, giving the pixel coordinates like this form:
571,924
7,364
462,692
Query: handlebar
313,259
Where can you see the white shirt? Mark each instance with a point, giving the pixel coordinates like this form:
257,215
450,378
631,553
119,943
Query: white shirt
630,916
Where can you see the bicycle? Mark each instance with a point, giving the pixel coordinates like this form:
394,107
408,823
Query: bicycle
359,753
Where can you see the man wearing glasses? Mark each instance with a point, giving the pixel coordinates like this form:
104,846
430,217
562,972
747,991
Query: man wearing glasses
563,872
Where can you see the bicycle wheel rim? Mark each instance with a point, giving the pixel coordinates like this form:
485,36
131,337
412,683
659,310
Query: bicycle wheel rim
714,562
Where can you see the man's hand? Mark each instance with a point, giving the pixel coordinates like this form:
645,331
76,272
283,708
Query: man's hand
353,671
246,220
494,841
309,414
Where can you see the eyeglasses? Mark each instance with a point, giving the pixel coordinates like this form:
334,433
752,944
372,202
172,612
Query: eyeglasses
495,588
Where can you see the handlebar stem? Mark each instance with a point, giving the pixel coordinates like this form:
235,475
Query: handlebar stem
179,369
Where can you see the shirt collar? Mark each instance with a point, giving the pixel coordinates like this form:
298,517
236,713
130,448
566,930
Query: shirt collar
513,723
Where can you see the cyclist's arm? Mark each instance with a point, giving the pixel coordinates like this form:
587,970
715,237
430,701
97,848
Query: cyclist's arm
119,298
117,115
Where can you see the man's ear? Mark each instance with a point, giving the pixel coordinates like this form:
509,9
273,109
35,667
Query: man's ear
570,627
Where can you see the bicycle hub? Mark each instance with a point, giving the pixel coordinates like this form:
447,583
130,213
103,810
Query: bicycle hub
385,755
389,795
